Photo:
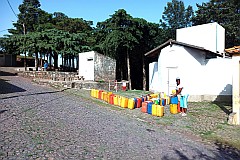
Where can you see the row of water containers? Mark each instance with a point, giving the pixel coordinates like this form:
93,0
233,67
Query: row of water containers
152,104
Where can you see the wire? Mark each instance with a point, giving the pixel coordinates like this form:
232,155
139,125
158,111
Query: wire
12,9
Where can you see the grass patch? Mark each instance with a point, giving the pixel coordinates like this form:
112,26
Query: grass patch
188,127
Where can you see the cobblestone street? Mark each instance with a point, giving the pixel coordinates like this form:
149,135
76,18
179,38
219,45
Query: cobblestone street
38,122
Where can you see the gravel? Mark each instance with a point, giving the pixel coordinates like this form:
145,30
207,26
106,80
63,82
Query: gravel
38,122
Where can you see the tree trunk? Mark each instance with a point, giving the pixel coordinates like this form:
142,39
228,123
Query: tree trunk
36,60
50,60
129,70
55,56
62,60
73,65
25,61
144,74
41,60
65,61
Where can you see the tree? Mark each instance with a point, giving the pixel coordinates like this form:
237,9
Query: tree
224,12
176,16
127,39
116,40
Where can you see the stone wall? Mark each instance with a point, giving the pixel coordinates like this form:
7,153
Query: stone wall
78,84
104,68
50,75
67,80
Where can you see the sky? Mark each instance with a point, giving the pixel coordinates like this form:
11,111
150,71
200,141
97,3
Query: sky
92,10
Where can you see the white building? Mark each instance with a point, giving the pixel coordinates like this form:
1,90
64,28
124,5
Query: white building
196,57
96,67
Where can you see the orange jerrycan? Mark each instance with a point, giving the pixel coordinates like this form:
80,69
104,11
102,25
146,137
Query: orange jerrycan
173,108
160,111
131,103
154,110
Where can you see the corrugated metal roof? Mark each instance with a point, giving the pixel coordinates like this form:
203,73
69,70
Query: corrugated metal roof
154,52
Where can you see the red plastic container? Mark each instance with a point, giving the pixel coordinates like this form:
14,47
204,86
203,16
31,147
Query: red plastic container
139,102
100,94
144,106
111,101
178,107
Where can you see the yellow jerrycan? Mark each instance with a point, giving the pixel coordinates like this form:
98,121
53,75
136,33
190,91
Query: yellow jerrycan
160,111
115,100
154,109
124,102
173,108
131,103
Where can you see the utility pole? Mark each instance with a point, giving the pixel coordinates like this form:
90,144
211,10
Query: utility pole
25,54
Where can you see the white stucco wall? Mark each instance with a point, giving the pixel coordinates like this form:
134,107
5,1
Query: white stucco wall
218,73
176,61
210,36
86,65
153,76
202,79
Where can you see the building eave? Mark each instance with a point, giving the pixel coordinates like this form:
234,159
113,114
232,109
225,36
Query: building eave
156,51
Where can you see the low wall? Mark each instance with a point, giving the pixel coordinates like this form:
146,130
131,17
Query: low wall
212,98
50,75
77,84
66,80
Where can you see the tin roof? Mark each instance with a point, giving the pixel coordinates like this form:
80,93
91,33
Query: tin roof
154,52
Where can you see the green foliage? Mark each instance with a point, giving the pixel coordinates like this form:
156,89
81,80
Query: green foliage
124,37
224,12
176,16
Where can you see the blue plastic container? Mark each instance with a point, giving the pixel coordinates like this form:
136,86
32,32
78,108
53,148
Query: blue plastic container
163,102
149,108
135,104
174,100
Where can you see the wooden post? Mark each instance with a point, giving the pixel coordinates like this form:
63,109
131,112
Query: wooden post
236,89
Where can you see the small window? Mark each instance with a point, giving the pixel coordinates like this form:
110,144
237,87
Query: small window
90,59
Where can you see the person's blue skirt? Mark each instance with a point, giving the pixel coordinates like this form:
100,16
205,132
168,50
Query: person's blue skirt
183,101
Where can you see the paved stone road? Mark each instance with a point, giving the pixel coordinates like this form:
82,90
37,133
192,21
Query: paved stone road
37,122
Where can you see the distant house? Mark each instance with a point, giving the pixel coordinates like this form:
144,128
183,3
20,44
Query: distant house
7,60
197,58
96,67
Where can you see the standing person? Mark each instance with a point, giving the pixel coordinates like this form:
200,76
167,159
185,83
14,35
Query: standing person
182,96
45,65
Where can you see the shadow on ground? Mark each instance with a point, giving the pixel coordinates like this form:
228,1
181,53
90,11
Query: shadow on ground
39,93
3,73
224,152
224,99
223,107
6,87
